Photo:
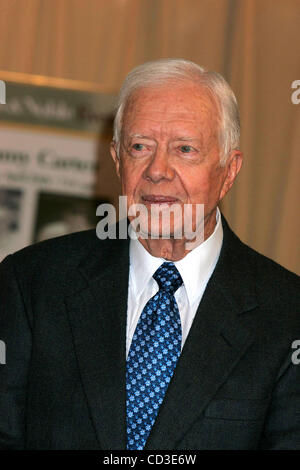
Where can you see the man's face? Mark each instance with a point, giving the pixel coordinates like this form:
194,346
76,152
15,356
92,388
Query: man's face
169,150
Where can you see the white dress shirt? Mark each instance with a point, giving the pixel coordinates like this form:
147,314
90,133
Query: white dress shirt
195,269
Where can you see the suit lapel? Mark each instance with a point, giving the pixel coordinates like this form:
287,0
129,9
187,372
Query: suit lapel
216,342
97,314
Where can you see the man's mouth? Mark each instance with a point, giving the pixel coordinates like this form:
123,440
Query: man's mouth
159,199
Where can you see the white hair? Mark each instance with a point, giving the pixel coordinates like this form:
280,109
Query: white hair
161,71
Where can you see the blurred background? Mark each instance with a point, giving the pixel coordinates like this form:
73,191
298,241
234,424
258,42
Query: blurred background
90,45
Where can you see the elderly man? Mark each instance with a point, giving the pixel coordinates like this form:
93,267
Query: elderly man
145,343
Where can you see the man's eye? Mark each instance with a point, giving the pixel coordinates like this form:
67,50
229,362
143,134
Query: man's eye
186,148
138,147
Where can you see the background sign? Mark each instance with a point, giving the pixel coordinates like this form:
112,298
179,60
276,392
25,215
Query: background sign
54,162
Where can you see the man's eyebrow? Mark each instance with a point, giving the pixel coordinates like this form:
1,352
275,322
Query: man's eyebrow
139,136
185,138
176,138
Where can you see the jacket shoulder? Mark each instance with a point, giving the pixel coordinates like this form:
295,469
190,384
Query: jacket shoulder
247,269
246,256
268,271
56,254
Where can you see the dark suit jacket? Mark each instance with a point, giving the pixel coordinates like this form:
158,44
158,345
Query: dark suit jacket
63,319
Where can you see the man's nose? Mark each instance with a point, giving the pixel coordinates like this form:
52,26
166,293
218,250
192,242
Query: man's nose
159,167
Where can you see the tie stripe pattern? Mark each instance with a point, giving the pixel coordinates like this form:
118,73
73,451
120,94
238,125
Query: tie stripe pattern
154,351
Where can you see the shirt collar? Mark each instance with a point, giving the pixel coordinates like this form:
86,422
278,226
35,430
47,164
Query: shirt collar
196,267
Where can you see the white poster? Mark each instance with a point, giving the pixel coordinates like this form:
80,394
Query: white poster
49,178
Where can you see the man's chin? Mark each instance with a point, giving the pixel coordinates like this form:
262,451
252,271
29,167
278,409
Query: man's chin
156,231
174,228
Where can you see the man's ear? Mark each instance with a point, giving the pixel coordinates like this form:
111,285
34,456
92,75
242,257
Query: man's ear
114,154
232,168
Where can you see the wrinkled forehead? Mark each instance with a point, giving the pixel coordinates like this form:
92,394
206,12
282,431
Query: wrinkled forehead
172,102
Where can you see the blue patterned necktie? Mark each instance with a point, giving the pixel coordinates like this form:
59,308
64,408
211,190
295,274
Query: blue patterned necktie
153,354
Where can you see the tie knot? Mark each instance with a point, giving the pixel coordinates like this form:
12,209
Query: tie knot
167,277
